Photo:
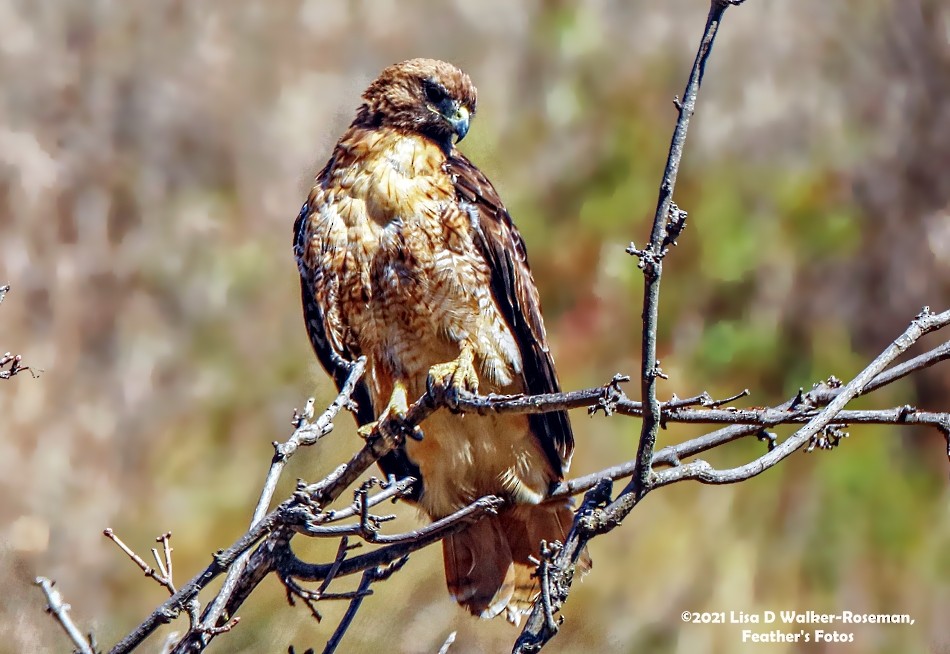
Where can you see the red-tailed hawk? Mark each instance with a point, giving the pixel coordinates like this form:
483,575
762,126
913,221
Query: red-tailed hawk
408,256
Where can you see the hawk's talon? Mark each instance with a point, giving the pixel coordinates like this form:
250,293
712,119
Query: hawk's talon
446,381
393,419
367,430
392,425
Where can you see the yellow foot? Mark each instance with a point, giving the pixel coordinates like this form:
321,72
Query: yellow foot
455,376
395,411
367,430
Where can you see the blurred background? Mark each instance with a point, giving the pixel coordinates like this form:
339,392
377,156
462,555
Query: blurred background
153,157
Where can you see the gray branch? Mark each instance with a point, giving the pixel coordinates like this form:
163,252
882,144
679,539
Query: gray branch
59,609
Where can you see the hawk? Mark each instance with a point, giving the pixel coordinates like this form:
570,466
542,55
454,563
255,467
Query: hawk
408,257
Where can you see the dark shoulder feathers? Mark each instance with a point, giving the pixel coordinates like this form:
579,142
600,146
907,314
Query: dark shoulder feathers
517,297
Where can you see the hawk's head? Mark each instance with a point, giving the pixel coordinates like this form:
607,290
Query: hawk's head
426,96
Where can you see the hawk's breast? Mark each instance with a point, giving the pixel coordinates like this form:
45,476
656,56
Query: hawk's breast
413,283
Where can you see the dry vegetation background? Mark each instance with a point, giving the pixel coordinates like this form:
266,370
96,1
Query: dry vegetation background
154,154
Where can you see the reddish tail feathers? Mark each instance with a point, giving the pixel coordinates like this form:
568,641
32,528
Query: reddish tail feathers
488,565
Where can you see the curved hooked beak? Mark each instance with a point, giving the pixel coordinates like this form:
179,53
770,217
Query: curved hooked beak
459,118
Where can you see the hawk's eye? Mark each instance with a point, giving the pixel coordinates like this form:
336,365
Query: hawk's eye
435,92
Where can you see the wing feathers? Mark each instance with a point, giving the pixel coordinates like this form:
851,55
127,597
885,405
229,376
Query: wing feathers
517,298
328,345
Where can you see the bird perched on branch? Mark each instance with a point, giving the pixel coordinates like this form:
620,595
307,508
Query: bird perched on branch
407,256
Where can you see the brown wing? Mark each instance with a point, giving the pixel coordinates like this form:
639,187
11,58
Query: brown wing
328,346
517,297
335,357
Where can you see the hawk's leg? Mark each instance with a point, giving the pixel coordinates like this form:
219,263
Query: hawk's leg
456,376
396,410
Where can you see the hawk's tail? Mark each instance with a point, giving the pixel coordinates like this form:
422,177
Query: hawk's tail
488,565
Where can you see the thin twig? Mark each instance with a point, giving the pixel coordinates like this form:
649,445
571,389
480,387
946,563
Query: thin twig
701,471
391,490
672,455
651,257
591,398
593,520
408,543
328,489
384,438
174,605
15,361
306,433
274,555
161,576
537,630
60,610
369,576
310,597
337,562
448,642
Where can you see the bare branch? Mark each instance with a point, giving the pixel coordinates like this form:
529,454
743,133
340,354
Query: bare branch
756,420
449,640
925,360
55,605
306,433
613,396
369,576
651,257
701,471
161,576
299,512
274,555
385,437
406,544
173,606
594,519
391,490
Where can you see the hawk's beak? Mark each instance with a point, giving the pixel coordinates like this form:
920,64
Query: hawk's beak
459,118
